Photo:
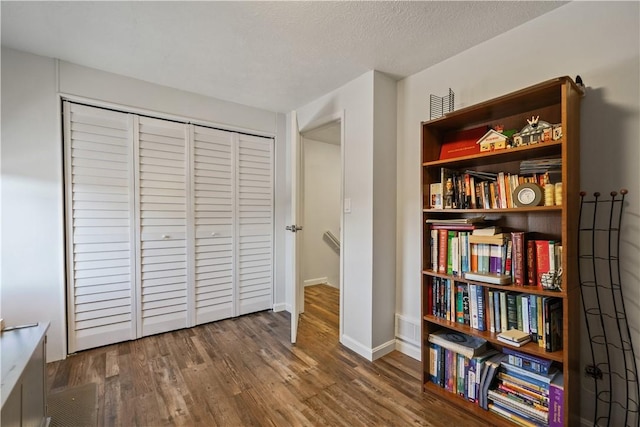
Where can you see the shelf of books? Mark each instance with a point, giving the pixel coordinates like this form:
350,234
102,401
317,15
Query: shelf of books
499,268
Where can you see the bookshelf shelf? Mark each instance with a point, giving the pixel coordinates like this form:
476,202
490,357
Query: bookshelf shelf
557,102
494,211
544,149
508,287
529,348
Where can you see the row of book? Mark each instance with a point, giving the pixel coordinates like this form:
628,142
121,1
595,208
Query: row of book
501,258
497,311
523,388
480,190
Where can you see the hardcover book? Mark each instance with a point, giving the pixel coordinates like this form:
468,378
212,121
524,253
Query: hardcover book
458,342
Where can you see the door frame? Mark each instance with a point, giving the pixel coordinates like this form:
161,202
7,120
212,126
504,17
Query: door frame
338,116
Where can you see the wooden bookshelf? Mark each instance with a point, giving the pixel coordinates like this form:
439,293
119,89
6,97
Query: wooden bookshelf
556,101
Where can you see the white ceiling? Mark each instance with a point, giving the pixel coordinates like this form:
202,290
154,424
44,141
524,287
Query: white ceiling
272,55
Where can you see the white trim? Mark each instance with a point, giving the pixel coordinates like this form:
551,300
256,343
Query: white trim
190,240
355,346
281,307
160,115
409,349
370,354
69,313
317,281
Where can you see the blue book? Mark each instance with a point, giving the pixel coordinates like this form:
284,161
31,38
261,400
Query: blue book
527,361
540,380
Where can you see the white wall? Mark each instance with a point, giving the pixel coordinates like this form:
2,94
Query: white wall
597,40
33,279
32,211
367,332
384,208
322,173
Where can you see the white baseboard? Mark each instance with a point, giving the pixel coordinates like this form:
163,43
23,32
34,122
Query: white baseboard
384,349
410,349
281,307
370,354
317,281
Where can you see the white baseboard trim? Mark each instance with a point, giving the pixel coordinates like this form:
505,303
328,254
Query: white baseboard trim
281,307
370,354
354,345
317,281
410,349
384,349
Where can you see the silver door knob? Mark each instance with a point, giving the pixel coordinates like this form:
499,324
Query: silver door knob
293,228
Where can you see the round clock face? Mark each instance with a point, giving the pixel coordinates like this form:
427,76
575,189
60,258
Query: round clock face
527,194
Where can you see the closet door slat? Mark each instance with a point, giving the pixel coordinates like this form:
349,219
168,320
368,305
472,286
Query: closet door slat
162,203
254,199
101,252
213,189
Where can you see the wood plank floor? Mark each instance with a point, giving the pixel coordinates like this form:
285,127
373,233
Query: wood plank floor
245,372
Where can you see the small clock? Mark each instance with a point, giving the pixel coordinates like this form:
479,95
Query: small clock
527,194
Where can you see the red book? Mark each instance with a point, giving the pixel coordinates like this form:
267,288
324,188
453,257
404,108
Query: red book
462,143
531,263
518,258
442,250
542,260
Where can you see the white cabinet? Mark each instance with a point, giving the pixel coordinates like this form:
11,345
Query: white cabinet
169,225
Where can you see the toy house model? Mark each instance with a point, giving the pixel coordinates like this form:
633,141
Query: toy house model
492,140
535,131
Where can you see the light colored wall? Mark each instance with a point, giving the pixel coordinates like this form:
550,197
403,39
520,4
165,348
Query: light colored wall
32,211
33,279
321,169
597,40
384,208
366,288
355,99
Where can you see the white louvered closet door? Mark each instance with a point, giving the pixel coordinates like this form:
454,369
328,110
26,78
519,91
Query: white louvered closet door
213,190
100,232
254,200
163,188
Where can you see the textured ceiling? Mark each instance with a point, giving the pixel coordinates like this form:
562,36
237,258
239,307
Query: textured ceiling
271,55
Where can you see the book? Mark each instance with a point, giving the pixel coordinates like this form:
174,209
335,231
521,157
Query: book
527,361
512,311
470,220
434,354
518,263
435,192
494,239
514,343
532,279
556,401
458,342
434,249
487,231
505,413
461,143
542,260
442,250
496,279
525,373
520,408
553,324
488,374
514,335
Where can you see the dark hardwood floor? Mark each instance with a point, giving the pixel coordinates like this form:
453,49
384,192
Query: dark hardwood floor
245,372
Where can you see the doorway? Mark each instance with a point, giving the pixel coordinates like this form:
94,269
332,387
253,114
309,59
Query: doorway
320,263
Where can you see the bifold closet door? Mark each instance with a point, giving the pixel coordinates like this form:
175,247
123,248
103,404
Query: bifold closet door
254,201
162,209
214,212
100,232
